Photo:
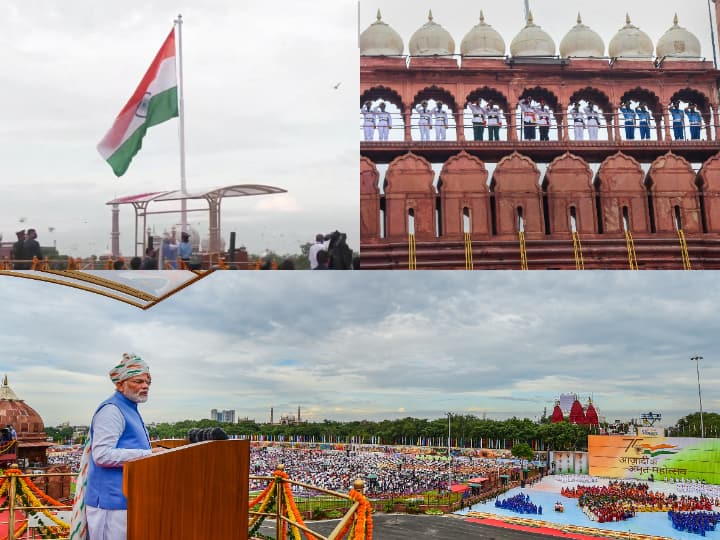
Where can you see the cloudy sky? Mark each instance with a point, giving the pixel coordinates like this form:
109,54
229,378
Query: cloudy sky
375,345
260,108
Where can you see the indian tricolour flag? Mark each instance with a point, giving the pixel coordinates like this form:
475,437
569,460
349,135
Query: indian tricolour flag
154,101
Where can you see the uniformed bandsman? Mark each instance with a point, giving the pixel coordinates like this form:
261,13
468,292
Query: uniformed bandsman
493,117
368,120
643,121
384,122
629,120
543,115
478,119
695,121
425,120
592,118
440,120
528,115
678,120
578,120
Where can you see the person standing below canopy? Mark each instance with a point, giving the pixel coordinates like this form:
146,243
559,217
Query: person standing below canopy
384,122
678,120
494,121
17,251
117,435
543,114
593,121
185,248
368,120
528,115
643,120
478,120
425,122
629,116
441,121
695,120
578,120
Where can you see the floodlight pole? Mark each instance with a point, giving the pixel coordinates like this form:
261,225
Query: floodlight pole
449,415
697,367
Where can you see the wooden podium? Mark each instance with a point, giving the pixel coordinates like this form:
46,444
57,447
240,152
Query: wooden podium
193,492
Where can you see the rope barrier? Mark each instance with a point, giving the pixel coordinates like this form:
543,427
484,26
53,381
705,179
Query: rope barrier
684,251
412,253
632,256
523,252
577,249
469,265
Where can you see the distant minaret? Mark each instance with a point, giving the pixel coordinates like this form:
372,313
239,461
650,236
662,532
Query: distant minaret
298,421
271,415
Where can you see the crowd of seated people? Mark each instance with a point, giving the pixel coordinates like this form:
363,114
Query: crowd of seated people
694,522
520,503
621,500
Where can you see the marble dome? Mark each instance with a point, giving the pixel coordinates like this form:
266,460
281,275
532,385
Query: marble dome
431,39
678,43
532,41
582,41
482,40
379,39
631,43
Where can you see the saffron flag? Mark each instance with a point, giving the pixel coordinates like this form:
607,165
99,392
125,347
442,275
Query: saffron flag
154,101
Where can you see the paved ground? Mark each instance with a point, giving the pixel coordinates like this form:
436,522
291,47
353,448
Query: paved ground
422,527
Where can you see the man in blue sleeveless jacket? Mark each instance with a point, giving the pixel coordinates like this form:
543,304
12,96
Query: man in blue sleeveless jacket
118,434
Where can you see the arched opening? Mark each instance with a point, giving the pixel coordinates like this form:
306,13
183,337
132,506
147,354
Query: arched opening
382,115
695,112
589,115
647,114
535,115
520,220
467,223
411,221
493,113
432,116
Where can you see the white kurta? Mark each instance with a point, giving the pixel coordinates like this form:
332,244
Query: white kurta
108,425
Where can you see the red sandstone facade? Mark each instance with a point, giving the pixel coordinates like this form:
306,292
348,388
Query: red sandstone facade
650,188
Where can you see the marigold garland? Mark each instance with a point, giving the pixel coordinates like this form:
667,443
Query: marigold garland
361,527
26,495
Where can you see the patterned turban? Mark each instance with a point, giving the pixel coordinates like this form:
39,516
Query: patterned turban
129,366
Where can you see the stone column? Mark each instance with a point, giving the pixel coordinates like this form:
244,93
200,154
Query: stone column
406,118
460,125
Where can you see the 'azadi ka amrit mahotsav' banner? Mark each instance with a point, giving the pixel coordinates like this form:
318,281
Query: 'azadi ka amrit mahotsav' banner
627,456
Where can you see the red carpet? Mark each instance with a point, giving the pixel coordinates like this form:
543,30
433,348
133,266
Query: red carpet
537,530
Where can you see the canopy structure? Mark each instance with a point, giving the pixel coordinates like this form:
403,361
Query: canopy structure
459,488
212,196
476,482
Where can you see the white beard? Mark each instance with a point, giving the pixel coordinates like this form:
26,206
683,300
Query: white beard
135,398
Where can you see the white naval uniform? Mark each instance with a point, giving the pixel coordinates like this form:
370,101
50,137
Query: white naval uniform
425,122
579,124
368,122
441,122
384,123
593,122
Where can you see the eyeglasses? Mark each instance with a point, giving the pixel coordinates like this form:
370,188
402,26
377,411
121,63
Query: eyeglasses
138,382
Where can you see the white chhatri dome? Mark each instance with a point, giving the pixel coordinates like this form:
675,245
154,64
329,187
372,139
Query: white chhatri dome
630,42
379,39
482,40
532,41
582,41
678,43
431,39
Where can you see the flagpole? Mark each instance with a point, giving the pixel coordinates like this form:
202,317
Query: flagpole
181,114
